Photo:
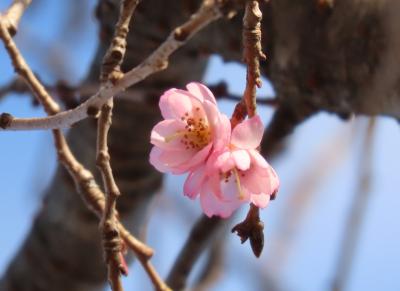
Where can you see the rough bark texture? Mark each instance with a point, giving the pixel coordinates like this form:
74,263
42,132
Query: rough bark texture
342,58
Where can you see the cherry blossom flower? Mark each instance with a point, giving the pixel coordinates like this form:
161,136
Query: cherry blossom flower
235,174
193,126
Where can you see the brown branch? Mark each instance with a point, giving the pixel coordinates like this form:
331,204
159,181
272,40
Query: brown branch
22,69
252,227
115,54
13,15
83,178
108,226
110,72
252,54
209,11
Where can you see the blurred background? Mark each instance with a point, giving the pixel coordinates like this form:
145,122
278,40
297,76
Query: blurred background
335,216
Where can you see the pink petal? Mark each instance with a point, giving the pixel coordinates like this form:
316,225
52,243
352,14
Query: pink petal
229,189
258,179
248,134
197,158
260,200
193,182
212,113
213,206
167,128
164,106
155,160
222,133
274,180
170,161
201,92
224,161
175,103
242,159
258,159
231,193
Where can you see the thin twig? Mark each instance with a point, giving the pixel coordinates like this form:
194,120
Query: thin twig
14,13
252,54
357,212
108,226
110,71
252,227
83,178
157,61
22,69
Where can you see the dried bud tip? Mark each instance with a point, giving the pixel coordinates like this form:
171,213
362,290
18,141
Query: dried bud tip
257,239
252,228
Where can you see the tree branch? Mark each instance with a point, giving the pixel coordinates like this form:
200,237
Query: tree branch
82,177
13,15
109,72
157,61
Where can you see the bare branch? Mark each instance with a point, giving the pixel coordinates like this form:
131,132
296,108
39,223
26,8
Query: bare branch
108,226
14,13
157,61
22,69
252,227
83,178
252,53
109,71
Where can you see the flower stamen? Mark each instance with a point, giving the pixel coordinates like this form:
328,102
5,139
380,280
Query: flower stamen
196,135
238,185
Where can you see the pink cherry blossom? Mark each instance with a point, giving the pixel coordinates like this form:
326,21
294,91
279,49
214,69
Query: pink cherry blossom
235,174
193,126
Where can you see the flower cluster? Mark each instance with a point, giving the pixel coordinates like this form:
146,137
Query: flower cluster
224,166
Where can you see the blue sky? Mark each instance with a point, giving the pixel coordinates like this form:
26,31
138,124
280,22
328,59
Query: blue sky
311,236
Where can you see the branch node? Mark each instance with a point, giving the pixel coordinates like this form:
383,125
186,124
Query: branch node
180,34
5,120
93,111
